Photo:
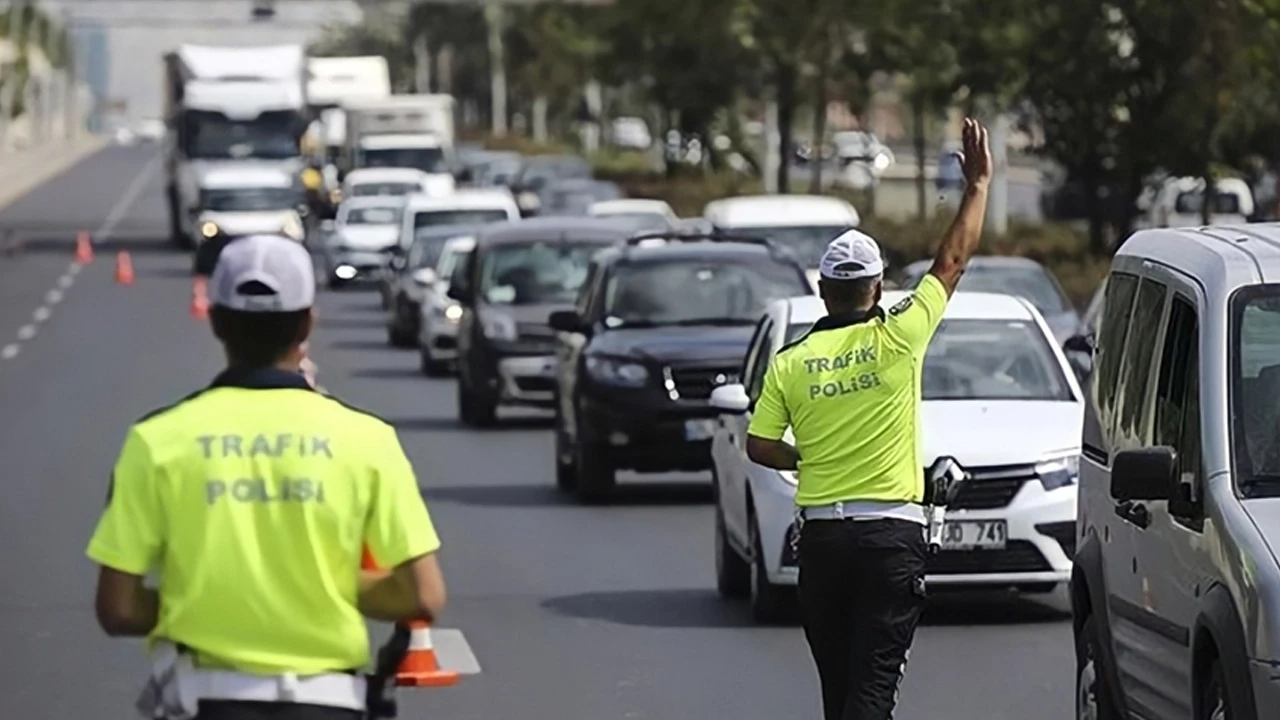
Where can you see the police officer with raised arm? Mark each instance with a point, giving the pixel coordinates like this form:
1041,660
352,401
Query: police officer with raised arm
850,391
252,500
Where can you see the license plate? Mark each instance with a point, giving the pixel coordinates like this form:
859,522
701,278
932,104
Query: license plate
699,429
975,535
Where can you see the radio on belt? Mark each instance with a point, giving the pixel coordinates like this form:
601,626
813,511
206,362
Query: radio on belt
941,485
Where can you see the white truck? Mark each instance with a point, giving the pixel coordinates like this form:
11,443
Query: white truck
228,104
413,131
337,83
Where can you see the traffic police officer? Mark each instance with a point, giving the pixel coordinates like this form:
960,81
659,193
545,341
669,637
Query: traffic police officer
252,500
850,391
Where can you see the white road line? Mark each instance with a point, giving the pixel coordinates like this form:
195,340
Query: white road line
67,279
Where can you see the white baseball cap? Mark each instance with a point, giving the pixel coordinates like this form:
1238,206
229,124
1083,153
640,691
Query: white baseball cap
851,256
263,273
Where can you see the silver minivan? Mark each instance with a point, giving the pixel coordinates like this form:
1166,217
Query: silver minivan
1176,586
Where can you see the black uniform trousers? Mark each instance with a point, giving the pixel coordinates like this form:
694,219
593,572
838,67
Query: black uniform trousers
240,710
861,595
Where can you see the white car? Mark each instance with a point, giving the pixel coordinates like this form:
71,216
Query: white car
362,239
470,206
396,182
802,223
999,397
440,314
247,200
650,215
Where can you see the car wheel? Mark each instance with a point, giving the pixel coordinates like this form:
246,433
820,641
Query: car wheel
768,601
596,474
1215,703
733,574
474,409
430,366
1094,700
566,472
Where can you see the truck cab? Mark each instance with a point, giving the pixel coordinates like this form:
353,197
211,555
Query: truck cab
229,104
408,131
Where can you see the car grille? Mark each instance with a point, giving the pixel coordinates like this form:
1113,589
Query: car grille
696,383
1017,556
535,332
536,384
992,487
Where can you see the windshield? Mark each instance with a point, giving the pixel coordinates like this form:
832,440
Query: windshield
250,199
696,292
992,360
535,274
1192,203
212,136
449,260
1032,283
435,218
807,243
373,216
1256,383
426,159
392,189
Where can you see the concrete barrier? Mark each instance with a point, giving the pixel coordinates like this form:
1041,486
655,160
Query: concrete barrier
25,170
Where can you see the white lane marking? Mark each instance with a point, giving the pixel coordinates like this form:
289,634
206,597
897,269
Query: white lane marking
67,279
454,652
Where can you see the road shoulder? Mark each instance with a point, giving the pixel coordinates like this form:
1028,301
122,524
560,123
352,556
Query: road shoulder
25,171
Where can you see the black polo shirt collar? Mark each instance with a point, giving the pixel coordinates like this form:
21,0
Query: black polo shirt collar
268,378
835,322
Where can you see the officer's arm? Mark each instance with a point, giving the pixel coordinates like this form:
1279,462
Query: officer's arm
961,239
400,535
127,544
769,421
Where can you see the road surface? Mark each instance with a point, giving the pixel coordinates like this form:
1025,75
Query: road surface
575,613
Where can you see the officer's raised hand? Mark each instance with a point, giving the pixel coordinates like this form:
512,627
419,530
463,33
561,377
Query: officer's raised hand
961,239
975,153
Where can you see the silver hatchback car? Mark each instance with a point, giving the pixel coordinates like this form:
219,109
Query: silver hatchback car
1176,584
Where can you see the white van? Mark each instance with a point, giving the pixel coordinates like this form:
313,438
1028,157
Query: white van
803,223
247,200
1179,203
469,206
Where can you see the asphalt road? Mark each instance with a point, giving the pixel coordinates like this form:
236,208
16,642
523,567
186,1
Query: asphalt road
577,613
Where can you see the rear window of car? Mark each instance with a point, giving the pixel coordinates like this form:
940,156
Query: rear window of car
692,291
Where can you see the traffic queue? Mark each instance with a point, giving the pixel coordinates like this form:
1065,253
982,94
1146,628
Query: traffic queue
646,336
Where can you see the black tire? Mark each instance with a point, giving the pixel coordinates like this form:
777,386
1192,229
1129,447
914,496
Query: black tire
398,335
1215,700
733,574
176,236
566,470
596,474
474,409
431,367
1093,688
769,603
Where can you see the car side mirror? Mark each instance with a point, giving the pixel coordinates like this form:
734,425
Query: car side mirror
459,292
567,321
424,276
730,398
1079,343
1144,474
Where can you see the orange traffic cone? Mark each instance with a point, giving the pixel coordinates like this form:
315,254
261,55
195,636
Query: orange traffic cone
124,268
84,248
420,668
199,299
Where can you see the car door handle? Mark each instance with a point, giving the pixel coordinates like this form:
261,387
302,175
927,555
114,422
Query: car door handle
1136,513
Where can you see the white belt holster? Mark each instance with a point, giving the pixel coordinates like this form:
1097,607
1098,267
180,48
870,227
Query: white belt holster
176,687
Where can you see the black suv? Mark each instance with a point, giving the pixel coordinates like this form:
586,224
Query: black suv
519,273
661,321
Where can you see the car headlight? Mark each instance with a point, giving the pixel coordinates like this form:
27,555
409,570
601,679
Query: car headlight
208,229
528,201
617,372
292,229
452,313
1059,472
497,326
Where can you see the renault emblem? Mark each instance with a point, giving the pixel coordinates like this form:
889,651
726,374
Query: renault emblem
721,379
